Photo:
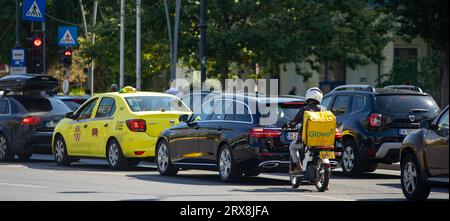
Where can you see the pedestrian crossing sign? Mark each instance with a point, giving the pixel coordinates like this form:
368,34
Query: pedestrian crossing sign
67,36
34,10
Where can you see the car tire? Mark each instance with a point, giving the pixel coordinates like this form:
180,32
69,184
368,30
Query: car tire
114,156
413,185
24,156
60,152
228,169
351,163
164,161
6,153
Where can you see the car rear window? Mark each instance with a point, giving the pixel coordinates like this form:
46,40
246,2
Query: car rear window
286,112
58,107
35,104
405,103
155,103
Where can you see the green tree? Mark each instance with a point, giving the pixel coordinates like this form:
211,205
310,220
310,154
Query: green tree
429,20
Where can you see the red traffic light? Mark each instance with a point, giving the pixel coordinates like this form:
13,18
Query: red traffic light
68,53
37,42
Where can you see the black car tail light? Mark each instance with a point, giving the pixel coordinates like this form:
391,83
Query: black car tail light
375,120
136,125
264,133
31,121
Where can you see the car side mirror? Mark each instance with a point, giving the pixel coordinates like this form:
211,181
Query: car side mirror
69,115
425,124
183,118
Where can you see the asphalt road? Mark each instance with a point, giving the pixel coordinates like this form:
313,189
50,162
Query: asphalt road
41,179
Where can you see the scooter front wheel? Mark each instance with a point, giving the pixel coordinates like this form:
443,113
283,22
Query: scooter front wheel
295,181
323,173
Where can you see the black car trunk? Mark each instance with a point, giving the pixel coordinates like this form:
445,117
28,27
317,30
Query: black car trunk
405,111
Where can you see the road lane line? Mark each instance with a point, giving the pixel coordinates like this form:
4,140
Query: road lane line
23,185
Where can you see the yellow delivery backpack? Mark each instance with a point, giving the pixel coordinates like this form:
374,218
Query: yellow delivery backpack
319,128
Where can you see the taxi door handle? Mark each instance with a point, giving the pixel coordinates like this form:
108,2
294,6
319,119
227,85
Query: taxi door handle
85,126
106,125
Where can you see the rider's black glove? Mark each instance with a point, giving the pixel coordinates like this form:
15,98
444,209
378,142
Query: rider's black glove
285,126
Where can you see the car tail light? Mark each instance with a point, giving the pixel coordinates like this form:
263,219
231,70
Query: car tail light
375,120
338,134
136,125
31,121
264,133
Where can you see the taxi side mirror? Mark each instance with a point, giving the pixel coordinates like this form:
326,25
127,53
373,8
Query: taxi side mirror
183,118
69,115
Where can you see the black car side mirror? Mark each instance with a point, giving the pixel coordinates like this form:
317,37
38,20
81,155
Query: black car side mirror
425,124
183,118
69,115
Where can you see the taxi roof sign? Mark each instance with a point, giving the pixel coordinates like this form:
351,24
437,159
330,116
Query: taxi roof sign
128,89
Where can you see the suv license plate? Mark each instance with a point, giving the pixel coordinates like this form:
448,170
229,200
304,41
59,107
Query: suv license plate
292,135
327,155
406,131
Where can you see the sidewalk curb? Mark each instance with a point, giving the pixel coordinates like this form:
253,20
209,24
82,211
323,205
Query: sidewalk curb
394,166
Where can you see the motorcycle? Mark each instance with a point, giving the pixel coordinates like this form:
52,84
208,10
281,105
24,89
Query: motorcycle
317,165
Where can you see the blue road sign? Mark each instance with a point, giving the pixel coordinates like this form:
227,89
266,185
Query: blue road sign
67,36
34,10
18,63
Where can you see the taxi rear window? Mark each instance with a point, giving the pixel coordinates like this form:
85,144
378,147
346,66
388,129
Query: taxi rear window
155,103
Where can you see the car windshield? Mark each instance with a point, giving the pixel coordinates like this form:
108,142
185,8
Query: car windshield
406,103
155,103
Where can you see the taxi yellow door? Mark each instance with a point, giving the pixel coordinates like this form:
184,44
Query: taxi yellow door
77,137
101,126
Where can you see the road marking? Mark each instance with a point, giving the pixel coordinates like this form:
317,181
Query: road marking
22,185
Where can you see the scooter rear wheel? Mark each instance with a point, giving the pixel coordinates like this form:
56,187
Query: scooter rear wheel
322,176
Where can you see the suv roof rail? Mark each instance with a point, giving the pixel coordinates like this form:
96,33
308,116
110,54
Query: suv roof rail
354,87
405,87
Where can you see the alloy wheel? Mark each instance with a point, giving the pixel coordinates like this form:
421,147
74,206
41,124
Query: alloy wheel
113,154
410,177
2,147
163,158
348,158
59,150
225,163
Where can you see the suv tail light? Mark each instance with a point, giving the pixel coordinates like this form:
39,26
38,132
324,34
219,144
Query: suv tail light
264,133
31,120
136,125
375,120
338,134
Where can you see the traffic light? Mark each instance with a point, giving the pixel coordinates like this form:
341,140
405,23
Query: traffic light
37,53
66,58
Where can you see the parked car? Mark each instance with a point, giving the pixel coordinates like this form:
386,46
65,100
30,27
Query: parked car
122,127
216,137
27,116
374,122
72,102
424,158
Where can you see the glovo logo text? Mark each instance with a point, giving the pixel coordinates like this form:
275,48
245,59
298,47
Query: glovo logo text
321,133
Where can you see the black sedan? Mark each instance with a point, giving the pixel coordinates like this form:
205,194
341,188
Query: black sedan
230,134
27,116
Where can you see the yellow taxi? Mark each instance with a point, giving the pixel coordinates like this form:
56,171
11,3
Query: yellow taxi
122,127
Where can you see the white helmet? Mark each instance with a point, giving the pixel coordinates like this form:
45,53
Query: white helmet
315,94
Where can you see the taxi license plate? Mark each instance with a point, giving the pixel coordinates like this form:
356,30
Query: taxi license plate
406,131
292,135
327,155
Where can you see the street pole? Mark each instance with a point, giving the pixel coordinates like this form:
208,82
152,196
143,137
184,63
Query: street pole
94,22
122,43
169,31
44,60
175,41
83,17
18,23
138,45
203,27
